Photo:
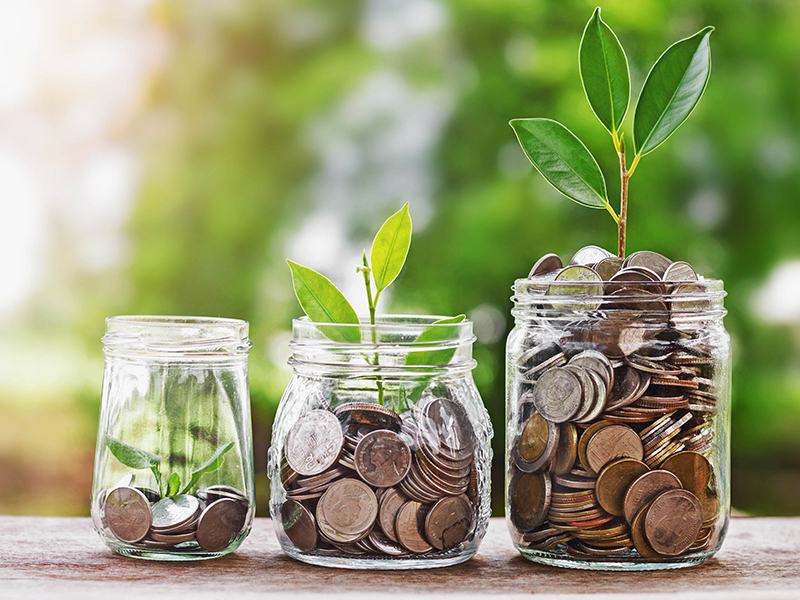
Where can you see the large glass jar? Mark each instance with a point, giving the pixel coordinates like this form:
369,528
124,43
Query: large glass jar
380,454
173,470
618,397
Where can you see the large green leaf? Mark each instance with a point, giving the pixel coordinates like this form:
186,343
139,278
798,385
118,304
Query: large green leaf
324,303
671,91
604,73
563,160
211,465
390,248
130,456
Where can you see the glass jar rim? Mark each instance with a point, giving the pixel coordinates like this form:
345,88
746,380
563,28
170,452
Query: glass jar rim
387,325
171,336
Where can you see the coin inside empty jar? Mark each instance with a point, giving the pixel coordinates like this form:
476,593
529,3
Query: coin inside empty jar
380,483
617,397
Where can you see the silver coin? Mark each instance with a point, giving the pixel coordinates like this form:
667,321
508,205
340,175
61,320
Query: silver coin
172,512
581,285
651,260
590,255
557,395
608,267
680,271
314,442
549,263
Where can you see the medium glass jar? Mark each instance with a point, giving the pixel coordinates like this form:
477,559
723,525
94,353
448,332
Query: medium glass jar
173,470
618,408
380,454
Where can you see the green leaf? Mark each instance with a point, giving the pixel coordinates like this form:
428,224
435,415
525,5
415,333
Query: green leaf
604,73
431,335
173,484
672,90
211,465
390,248
130,456
563,160
324,303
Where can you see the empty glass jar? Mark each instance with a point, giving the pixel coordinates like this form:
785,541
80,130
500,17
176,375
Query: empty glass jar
173,471
380,454
618,398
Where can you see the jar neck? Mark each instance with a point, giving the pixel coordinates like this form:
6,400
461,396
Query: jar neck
201,340
396,347
684,305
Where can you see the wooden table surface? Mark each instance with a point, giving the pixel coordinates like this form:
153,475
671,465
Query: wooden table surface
51,557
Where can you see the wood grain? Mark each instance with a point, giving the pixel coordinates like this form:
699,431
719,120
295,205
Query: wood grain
43,557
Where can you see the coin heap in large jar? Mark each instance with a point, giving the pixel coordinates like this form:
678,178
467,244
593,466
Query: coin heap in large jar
363,480
616,415
208,520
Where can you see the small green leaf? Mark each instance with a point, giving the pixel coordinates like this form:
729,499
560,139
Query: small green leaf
173,484
563,160
672,90
431,335
390,248
211,465
130,456
604,73
324,303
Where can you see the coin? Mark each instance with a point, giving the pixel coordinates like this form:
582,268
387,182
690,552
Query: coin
567,449
175,511
366,413
577,281
382,458
299,525
654,261
408,528
383,544
445,427
347,510
672,522
448,522
680,271
614,441
127,514
646,488
608,267
390,504
558,395
537,443
638,535
529,499
314,442
692,469
546,264
589,255
219,523
172,539
614,480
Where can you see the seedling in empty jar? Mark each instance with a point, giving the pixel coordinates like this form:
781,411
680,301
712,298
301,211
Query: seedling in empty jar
672,89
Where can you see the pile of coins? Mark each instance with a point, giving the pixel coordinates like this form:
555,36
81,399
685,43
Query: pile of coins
615,414
210,519
363,480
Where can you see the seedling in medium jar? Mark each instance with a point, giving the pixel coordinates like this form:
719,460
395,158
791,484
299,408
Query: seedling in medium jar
671,91
325,304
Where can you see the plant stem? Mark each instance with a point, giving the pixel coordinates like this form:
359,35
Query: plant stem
372,303
623,202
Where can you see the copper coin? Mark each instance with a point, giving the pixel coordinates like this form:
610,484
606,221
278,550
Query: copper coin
314,442
390,504
566,451
673,521
219,524
382,458
366,413
347,510
587,434
448,522
639,537
408,530
127,514
536,444
692,469
645,488
557,395
529,499
614,480
299,525
614,441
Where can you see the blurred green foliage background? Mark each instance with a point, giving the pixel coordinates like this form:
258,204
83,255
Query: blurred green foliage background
294,128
